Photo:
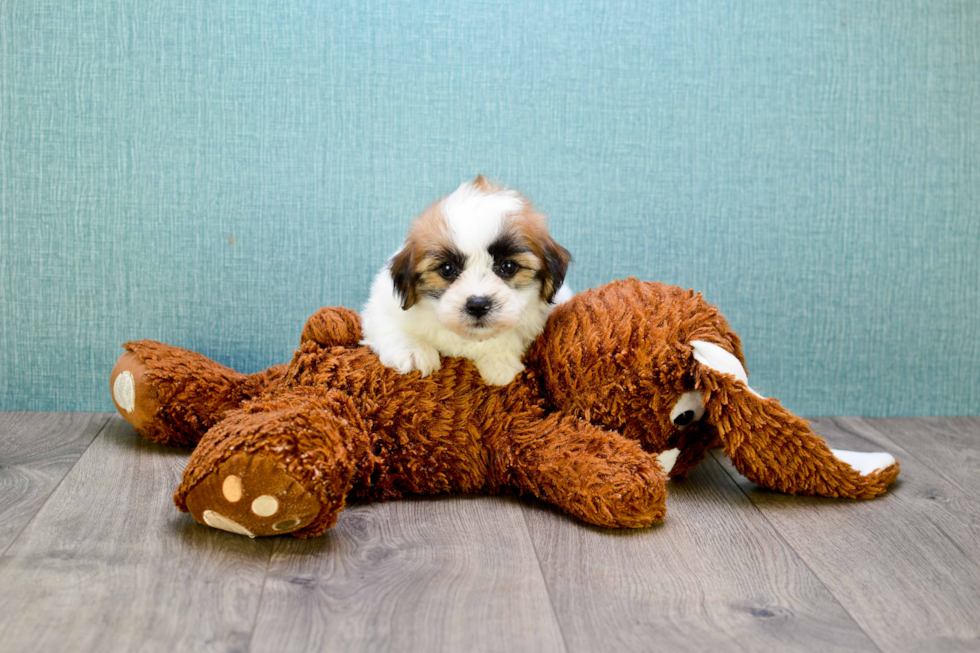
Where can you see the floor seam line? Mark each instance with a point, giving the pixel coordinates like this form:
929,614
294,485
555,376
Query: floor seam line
714,458
105,425
547,588
258,608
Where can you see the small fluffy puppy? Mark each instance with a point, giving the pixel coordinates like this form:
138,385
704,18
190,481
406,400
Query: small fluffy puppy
477,277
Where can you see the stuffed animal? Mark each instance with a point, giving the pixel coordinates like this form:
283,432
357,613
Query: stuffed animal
628,385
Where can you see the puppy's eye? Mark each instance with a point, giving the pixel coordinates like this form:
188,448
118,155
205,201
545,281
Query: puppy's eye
447,271
508,268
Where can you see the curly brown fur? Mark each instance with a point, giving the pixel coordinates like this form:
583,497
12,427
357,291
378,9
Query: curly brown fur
581,427
181,394
409,434
777,450
607,362
333,327
316,436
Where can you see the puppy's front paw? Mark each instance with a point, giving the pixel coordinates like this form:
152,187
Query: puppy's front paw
412,356
425,358
499,371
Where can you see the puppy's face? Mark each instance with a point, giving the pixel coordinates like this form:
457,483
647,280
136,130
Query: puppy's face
479,258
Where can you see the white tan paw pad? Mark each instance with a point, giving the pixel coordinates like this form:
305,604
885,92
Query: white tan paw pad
667,459
864,463
231,488
124,391
250,495
219,521
265,506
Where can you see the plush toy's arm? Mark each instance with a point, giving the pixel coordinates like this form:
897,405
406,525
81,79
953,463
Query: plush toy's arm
776,449
333,327
596,475
172,395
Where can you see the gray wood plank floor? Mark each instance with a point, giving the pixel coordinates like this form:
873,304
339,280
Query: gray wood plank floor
94,557
36,451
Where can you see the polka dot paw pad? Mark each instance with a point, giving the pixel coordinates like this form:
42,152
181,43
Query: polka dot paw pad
250,495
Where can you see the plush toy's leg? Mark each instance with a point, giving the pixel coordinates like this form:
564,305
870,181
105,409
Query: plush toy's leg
278,465
172,396
777,450
599,476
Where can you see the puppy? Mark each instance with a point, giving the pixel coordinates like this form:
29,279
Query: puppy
477,277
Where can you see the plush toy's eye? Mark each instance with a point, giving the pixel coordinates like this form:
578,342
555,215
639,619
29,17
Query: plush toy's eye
684,418
688,409
447,271
508,268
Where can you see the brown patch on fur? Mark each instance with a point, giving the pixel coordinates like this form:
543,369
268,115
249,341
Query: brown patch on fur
402,268
528,274
428,234
429,281
527,260
532,229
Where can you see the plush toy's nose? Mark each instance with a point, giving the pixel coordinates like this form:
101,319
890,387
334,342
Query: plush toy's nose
478,306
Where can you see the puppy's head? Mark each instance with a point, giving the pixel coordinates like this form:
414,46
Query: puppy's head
480,258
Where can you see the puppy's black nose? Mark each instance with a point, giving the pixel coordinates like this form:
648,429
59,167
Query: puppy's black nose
478,306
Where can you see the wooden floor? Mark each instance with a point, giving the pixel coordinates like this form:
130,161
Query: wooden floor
94,557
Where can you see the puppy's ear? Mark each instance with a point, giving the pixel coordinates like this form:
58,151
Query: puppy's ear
556,261
403,276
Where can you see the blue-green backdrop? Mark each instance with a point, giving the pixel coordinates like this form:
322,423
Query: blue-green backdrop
209,173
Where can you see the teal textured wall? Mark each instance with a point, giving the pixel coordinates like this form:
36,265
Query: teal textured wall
209,173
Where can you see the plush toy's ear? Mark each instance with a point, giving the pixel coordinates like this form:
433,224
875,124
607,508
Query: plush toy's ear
402,268
774,448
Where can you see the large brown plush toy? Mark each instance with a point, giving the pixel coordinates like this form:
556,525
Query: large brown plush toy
628,385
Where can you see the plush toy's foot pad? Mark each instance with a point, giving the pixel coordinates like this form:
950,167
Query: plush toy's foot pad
864,463
133,396
667,459
250,495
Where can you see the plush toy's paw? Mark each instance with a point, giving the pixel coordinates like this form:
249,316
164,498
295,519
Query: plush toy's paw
250,495
877,471
864,463
173,396
499,370
133,395
410,357
667,459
